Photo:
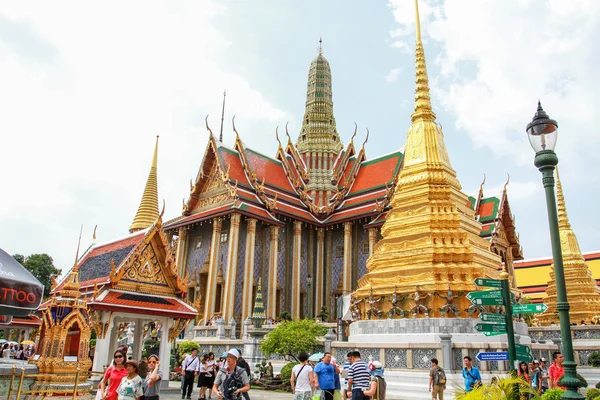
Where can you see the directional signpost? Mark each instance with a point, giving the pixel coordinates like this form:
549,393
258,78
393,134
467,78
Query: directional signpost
529,308
499,324
488,282
493,356
523,353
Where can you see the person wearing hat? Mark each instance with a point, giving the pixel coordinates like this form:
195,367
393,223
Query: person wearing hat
544,373
131,387
536,377
377,386
231,380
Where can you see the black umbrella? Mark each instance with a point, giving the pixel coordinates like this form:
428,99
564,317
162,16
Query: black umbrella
20,292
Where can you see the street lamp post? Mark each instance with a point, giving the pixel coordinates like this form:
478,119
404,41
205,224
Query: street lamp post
542,132
309,295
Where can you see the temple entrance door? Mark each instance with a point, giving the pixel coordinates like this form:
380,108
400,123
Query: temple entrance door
72,341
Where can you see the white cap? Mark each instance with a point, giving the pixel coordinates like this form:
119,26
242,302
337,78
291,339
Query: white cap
234,353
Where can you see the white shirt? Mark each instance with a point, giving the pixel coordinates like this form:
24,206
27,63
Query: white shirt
191,363
302,382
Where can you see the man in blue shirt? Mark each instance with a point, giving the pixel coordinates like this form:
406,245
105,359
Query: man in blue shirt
325,376
471,374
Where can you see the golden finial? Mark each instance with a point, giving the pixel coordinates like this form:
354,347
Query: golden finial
482,183
423,109
366,139
563,218
94,236
208,127
233,124
222,117
277,136
148,210
320,46
507,181
288,133
354,134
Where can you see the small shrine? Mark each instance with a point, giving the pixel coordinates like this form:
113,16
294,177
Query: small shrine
62,356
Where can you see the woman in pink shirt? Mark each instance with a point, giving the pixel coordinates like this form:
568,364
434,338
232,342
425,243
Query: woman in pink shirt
113,375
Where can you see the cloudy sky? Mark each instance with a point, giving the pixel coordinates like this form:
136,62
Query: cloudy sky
85,88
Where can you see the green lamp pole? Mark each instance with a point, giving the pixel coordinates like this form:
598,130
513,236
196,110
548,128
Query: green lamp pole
542,132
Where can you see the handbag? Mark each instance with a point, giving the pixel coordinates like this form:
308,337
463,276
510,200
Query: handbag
318,394
337,395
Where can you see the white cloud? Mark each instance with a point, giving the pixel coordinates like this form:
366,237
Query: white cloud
85,87
393,75
497,58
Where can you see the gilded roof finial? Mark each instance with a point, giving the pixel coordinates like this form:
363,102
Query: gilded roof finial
507,181
208,127
148,210
222,117
320,46
78,245
563,218
482,183
423,109
94,236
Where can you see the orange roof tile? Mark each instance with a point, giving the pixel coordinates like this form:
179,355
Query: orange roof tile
231,160
270,169
376,173
145,304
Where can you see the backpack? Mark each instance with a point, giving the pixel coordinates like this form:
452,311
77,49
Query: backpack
232,383
381,388
440,377
242,363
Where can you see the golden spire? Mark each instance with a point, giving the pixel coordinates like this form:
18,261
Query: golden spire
563,218
148,211
584,295
71,285
423,107
430,237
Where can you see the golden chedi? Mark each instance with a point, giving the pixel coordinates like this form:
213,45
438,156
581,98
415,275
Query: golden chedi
582,292
430,251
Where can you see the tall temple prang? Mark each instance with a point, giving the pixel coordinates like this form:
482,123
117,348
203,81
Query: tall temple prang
148,211
582,291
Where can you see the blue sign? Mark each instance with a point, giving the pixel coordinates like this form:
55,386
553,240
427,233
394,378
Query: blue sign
493,356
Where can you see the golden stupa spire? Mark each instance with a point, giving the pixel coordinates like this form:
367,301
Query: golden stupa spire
584,295
430,238
423,107
148,211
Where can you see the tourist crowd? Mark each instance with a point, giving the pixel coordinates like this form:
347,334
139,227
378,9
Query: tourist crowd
16,351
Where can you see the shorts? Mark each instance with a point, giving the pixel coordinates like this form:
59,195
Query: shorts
206,380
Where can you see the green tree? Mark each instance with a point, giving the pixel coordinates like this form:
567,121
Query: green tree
42,267
292,338
187,346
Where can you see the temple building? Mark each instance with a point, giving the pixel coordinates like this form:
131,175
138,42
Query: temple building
132,281
305,221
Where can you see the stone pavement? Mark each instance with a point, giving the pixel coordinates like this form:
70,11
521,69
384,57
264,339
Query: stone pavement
174,393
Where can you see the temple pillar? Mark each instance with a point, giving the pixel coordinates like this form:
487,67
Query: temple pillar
138,340
164,351
247,290
232,261
347,271
273,250
320,275
372,239
296,272
211,284
181,251
104,349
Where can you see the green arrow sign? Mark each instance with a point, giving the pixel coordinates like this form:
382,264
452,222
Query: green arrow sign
488,282
521,348
529,308
490,327
524,357
485,294
493,318
487,302
493,333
